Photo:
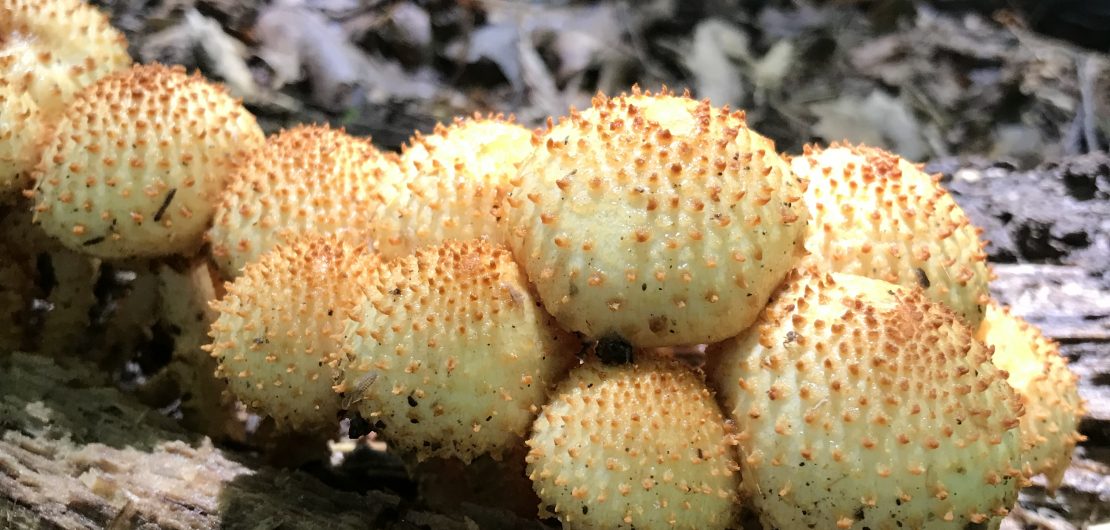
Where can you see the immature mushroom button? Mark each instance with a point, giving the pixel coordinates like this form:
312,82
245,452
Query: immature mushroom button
660,201
855,388
640,445
279,330
1048,390
309,178
461,352
139,197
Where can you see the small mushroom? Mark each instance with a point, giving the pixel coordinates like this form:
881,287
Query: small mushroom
54,48
656,218
277,335
1048,391
457,178
876,215
460,355
137,162
306,179
859,403
639,445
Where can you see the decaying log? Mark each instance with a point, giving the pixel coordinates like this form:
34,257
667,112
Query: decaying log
76,453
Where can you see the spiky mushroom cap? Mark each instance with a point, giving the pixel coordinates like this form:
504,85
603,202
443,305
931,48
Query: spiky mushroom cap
20,133
634,446
656,218
279,330
310,178
1048,390
53,48
137,163
450,355
457,179
860,404
876,215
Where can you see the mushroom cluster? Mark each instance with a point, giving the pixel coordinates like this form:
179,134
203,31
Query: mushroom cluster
496,291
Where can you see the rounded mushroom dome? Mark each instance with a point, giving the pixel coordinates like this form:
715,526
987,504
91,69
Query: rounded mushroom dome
656,218
138,161
634,446
53,48
278,333
449,355
309,178
876,215
456,181
861,404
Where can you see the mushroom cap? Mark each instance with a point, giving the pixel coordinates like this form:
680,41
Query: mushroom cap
450,355
137,162
862,404
634,446
20,132
53,48
310,178
656,218
279,330
876,215
457,178
1048,390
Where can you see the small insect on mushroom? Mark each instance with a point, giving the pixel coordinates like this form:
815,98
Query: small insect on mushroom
460,367
1048,390
634,446
309,178
877,215
883,407
278,334
137,182
589,206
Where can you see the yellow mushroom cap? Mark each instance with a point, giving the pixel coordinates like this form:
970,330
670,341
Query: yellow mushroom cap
457,179
1048,390
279,330
450,355
20,132
656,218
54,48
137,163
306,179
634,446
876,215
860,404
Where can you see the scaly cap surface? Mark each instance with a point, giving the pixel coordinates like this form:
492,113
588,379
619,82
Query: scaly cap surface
137,163
449,354
860,404
634,446
309,178
656,218
1048,390
876,215
279,329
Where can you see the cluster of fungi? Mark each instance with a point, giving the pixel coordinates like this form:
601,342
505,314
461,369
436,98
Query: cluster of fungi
491,288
